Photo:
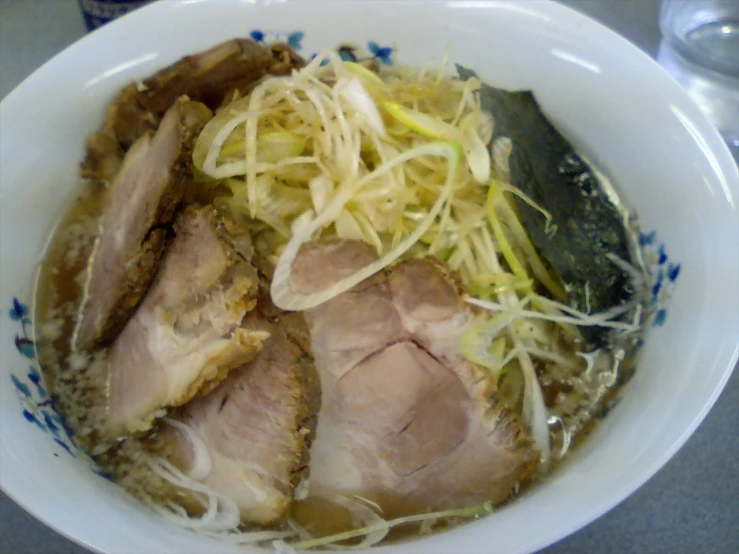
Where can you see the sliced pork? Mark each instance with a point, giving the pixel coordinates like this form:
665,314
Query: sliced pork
104,158
254,425
141,202
405,422
207,77
186,334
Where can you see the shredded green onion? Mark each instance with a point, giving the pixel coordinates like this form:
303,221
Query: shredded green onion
363,73
505,247
522,238
285,297
466,513
480,344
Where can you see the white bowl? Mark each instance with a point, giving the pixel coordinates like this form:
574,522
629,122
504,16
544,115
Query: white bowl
609,98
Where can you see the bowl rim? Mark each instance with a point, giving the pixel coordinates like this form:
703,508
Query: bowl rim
723,156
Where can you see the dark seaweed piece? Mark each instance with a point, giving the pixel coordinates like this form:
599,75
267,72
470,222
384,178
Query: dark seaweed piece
545,167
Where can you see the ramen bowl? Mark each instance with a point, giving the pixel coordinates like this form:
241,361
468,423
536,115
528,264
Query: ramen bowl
612,101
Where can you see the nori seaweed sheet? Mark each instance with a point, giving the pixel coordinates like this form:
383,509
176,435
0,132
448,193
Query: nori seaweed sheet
545,167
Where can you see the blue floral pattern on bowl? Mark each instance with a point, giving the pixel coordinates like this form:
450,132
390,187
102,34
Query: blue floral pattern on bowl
36,404
293,39
354,53
662,274
348,52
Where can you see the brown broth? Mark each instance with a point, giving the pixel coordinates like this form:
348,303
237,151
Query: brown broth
59,282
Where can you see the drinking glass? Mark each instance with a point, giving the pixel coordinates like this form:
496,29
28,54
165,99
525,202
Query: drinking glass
700,48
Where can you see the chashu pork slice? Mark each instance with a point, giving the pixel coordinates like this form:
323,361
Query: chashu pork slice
209,77
405,421
186,334
139,207
255,426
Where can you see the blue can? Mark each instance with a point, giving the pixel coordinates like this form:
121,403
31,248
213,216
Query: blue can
99,12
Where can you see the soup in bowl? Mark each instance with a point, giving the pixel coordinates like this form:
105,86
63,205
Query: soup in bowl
428,367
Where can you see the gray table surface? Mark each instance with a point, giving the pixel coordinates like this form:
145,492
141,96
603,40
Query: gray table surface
691,506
